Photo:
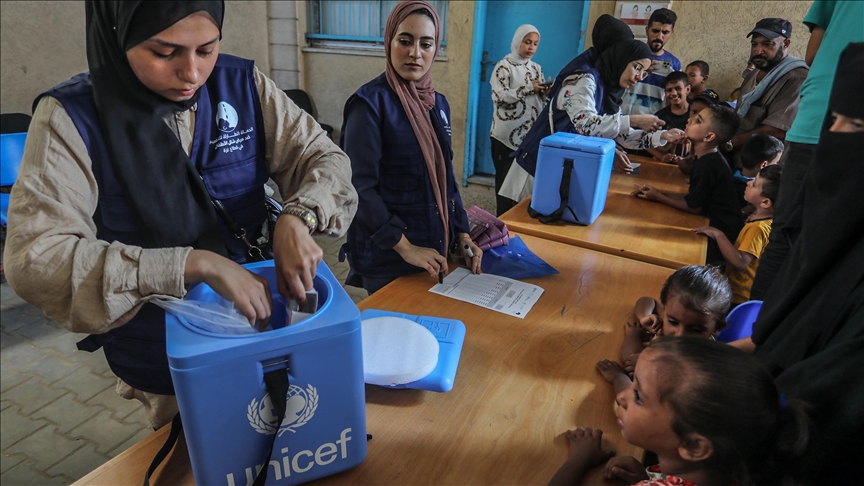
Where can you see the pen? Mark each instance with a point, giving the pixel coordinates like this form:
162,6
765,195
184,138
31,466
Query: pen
440,277
469,252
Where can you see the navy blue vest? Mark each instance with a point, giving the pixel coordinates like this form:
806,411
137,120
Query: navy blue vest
228,150
526,154
404,184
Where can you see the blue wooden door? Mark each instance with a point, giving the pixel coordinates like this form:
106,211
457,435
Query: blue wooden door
561,25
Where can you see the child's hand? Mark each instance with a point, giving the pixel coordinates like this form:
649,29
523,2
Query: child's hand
708,231
669,158
610,369
633,327
630,364
674,135
652,323
585,447
646,192
626,468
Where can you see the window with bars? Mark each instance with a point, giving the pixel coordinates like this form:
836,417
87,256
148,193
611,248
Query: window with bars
357,23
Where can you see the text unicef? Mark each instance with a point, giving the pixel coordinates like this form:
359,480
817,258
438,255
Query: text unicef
302,461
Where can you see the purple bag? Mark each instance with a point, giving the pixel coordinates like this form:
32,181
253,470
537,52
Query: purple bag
487,231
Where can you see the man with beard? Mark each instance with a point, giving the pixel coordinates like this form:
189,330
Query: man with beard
768,101
833,25
647,96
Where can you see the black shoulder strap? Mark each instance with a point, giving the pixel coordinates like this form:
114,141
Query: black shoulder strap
564,192
277,385
176,428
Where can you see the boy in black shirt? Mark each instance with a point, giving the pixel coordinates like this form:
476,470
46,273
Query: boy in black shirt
712,189
675,115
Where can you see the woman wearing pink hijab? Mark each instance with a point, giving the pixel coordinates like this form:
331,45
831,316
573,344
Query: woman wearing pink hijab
397,133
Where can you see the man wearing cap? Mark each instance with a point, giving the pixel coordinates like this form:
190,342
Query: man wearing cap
768,101
833,25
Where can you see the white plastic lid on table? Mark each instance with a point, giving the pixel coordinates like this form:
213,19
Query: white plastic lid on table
397,351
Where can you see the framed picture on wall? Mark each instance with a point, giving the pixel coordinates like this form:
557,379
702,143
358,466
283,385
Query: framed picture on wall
636,14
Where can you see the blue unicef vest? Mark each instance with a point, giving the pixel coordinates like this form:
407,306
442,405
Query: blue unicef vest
404,184
228,150
526,154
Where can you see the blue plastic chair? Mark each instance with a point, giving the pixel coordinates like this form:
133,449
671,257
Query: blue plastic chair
739,322
11,152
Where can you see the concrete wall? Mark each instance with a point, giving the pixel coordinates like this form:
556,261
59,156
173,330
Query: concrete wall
282,23
714,31
43,43
331,78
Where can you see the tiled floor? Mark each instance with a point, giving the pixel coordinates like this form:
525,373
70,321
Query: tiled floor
59,415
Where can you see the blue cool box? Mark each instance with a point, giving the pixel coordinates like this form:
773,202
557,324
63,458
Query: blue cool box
450,334
589,182
227,416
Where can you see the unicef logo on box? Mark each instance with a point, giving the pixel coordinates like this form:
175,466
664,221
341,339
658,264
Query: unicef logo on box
300,407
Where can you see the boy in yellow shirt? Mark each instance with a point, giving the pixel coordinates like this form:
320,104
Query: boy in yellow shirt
742,258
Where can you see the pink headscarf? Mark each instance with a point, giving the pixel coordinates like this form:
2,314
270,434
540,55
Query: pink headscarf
418,97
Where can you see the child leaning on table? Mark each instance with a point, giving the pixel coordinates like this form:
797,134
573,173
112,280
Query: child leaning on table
742,258
712,189
710,412
693,302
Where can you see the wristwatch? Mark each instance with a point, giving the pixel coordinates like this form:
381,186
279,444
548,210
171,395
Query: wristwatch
302,212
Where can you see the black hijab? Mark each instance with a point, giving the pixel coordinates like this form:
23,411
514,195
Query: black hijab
616,49
810,331
167,195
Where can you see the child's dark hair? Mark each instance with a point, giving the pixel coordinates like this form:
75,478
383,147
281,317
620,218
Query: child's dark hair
758,149
770,175
725,122
664,16
675,77
700,289
719,392
702,65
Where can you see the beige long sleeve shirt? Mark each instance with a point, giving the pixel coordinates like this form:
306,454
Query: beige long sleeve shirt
53,258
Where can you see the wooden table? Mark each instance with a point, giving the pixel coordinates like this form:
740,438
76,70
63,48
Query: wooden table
521,383
666,177
629,227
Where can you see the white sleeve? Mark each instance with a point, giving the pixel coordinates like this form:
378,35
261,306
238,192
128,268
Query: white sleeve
576,97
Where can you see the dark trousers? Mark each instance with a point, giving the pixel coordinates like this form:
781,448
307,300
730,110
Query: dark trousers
787,217
501,159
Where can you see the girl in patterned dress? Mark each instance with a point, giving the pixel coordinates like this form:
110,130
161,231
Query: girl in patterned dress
518,96
710,412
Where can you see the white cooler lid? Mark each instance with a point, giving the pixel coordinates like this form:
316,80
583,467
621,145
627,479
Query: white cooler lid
397,351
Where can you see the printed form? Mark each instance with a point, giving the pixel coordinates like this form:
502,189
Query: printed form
500,294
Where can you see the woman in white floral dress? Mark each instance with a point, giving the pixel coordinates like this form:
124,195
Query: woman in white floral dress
518,96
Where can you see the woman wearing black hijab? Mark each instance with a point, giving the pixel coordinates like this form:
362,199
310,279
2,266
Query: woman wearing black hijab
112,207
585,99
810,331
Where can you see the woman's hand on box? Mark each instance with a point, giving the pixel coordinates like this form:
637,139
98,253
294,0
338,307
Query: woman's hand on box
249,293
296,256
